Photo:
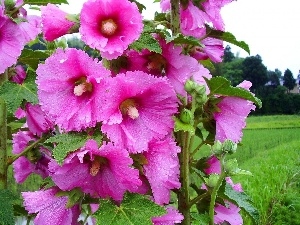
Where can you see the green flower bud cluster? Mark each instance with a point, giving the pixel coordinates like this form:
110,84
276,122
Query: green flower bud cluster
231,166
227,146
196,90
186,116
212,180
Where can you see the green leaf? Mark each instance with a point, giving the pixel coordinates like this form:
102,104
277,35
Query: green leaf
179,125
221,86
199,219
135,209
6,207
228,37
146,41
14,93
240,199
45,2
182,39
32,58
66,143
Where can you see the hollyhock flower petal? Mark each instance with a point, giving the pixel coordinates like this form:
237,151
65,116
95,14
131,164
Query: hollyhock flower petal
171,218
102,172
19,74
171,63
165,5
162,169
214,165
110,26
137,108
232,117
23,167
36,120
55,22
237,187
213,8
31,28
51,209
68,89
11,43
228,214
192,21
213,49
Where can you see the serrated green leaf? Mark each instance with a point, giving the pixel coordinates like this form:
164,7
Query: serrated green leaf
66,143
32,58
135,209
179,125
14,93
146,41
240,199
160,16
45,2
69,142
7,199
199,219
221,86
228,37
182,39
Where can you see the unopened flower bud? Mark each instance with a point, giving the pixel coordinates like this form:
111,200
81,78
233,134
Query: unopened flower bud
229,146
189,86
200,89
62,43
231,166
212,180
9,4
186,116
217,147
201,99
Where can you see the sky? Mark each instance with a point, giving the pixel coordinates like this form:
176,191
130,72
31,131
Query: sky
271,28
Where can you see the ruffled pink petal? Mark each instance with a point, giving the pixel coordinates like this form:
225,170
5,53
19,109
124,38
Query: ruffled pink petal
55,23
162,169
171,218
229,214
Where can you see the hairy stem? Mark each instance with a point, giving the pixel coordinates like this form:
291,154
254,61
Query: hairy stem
26,150
175,21
3,145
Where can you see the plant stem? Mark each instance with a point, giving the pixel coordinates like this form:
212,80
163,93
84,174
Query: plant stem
175,22
3,145
215,192
3,136
27,149
184,194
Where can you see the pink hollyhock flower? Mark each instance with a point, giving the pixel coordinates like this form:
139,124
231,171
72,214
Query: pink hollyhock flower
31,28
55,22
229,213
171,218
212,9
213,50
36,119
162,169
192,21
24,166
11,42
237,187
50,209
137,108
165,5
171,63
214,165
102,172
232,116
110,26
18,74
68,89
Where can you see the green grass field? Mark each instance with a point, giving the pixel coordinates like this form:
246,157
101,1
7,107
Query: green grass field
273,157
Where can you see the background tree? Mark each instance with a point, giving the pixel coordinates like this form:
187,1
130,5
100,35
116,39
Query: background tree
288,80
228,55
273,78
233,71
255,71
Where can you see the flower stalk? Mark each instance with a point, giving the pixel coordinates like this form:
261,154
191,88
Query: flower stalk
3,145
